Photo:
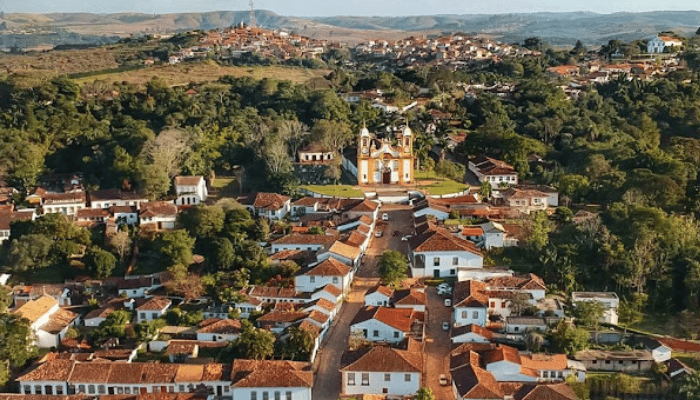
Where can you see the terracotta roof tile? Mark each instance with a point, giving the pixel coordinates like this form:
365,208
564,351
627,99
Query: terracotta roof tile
440,239
385,290
345,250
470,294
303,238
473,382
224,326
271,373
397,318
188,180
558,391
329,267
59,320
387,359
155,304
35,309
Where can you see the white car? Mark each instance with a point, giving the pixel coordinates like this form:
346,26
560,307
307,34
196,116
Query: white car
385,217
405,238
445,326
448,302
378,233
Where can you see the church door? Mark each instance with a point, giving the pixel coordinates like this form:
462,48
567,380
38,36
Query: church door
386,177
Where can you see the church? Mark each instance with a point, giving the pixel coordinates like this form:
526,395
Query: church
381,163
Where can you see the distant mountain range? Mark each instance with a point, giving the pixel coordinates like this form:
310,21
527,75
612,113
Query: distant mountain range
23,29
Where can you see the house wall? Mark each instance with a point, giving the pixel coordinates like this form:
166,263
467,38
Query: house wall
276,248
149,315
470,315
449,263
94,321
618,366
296,393
129,218
522,328
311,283
376,299
216,337
377,331
104,204
470,337
66,208
396,385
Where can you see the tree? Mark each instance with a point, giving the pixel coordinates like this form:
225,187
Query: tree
183,283
120,242
424,393
203,221
30,251
175,247
691,386
301,342
113,326
538,231
162,158
5,299
569,339
588,313
17,348
392,266
257,344
99,262
485,190
222,255
533,43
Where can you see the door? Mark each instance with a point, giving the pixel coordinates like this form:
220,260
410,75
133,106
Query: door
436,273
386,177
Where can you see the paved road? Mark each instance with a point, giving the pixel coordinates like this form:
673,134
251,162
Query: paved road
328,381
438,344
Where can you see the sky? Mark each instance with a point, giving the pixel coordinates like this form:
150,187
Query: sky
316,8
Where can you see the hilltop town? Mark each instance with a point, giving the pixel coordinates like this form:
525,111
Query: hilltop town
435,217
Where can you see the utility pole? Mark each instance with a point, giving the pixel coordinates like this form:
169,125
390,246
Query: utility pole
252,14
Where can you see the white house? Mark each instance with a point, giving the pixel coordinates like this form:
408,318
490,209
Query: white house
152,309
6,219
503,363
158,215
248,305
315,154
343,252
329,292
471,334
383,324
489,235
437,253
97,316
104,199
125,214
659,351
470,303
268,379
218,330
329,271
383,371
659,43
496,172
302,241
190,190
137,286
369,208
413,299
47,320
524,201
609,300
379,296
270,205
524,324
64,203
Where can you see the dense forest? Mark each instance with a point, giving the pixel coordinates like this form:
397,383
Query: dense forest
628,149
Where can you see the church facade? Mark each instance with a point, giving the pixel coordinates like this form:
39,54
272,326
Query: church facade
381,163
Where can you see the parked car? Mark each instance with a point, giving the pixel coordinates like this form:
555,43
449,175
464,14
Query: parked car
445,326
443,380
378,233
405,238
385,217
444,289
448,302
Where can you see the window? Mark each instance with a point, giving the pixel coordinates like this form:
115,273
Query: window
312,279
365,379
127,390
407,377
288,395
120,390
464,314
266,396
154,315
492,304
620,362
143,315
375,333
26,389
607,361
59,389
351,379
455,260
335,279
37,389
475,315
81,388
436,262
503,304
278,395
91,389
396,335
181,388
387,377
516,329
253,395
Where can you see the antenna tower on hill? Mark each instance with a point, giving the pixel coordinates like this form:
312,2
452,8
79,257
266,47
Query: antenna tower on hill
252,14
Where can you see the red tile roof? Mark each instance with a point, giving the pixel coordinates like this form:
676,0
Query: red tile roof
470,293
266,201
155,304
188,180
440,239
473,382
330,267
345,250
397,318
271,373
387,359
223,327
558,391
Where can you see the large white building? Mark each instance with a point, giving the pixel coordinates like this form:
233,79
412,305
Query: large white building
190,190
437,253
660,43
384,370
47,320
329,271
244,379
609,300
384,324
495,172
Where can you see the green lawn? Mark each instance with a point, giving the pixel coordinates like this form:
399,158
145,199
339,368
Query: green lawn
335,190
441,186
691,359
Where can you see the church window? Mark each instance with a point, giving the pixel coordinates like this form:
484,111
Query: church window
396,165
